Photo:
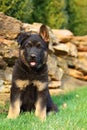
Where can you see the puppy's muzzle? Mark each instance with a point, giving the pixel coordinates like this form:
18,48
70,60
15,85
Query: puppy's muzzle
33,57
33,60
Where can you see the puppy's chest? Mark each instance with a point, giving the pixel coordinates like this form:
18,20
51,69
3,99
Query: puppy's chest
29,80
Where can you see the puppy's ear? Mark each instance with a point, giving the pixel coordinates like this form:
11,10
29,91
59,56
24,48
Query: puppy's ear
22,37
44,33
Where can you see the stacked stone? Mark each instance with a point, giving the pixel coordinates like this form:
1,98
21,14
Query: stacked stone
67,54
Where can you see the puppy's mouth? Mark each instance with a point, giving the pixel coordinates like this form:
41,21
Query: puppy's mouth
33,63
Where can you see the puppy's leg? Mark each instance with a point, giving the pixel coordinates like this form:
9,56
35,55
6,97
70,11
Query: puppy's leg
41,105
15,103
14,109
50,105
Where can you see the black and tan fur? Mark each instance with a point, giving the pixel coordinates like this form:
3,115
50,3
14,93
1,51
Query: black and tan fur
29,89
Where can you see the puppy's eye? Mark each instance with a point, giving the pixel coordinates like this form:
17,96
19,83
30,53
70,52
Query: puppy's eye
38,45
29,44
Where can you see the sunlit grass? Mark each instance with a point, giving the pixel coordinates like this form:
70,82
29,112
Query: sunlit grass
72,115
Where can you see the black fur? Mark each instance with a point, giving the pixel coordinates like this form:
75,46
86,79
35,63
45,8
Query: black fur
29,89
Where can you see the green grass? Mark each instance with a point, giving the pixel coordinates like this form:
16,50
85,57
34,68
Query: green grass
72,115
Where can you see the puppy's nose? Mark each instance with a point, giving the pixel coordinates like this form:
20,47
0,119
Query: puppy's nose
33,56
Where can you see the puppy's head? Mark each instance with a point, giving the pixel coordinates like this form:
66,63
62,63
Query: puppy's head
34,47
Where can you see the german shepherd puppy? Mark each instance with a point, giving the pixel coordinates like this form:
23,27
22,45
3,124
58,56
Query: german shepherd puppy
29,89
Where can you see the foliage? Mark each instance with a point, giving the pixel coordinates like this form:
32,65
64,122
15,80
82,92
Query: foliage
77,11
72,116
71,14
56,13
39,14
20,9
51,12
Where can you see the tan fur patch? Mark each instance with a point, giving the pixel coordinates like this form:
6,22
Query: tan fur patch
23,58
14,110
22,83
40,86
40,112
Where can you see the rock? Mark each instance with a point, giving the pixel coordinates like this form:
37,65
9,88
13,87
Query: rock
8,74
70,83
82,55
9,52
61,49
80,39
82,48
9,27
75,73
2,76
54,84
85,77
81,64
8,43
5,80
80,42
66,49
70,61
3,64
4,97
54,71
56,91
72,49
6,88
1,85
63,35
53,40
34,28
77,67
62,64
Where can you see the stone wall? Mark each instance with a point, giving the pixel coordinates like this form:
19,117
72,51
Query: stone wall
67,60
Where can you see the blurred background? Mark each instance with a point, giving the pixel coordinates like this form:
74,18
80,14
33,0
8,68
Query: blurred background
63,14
67,26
